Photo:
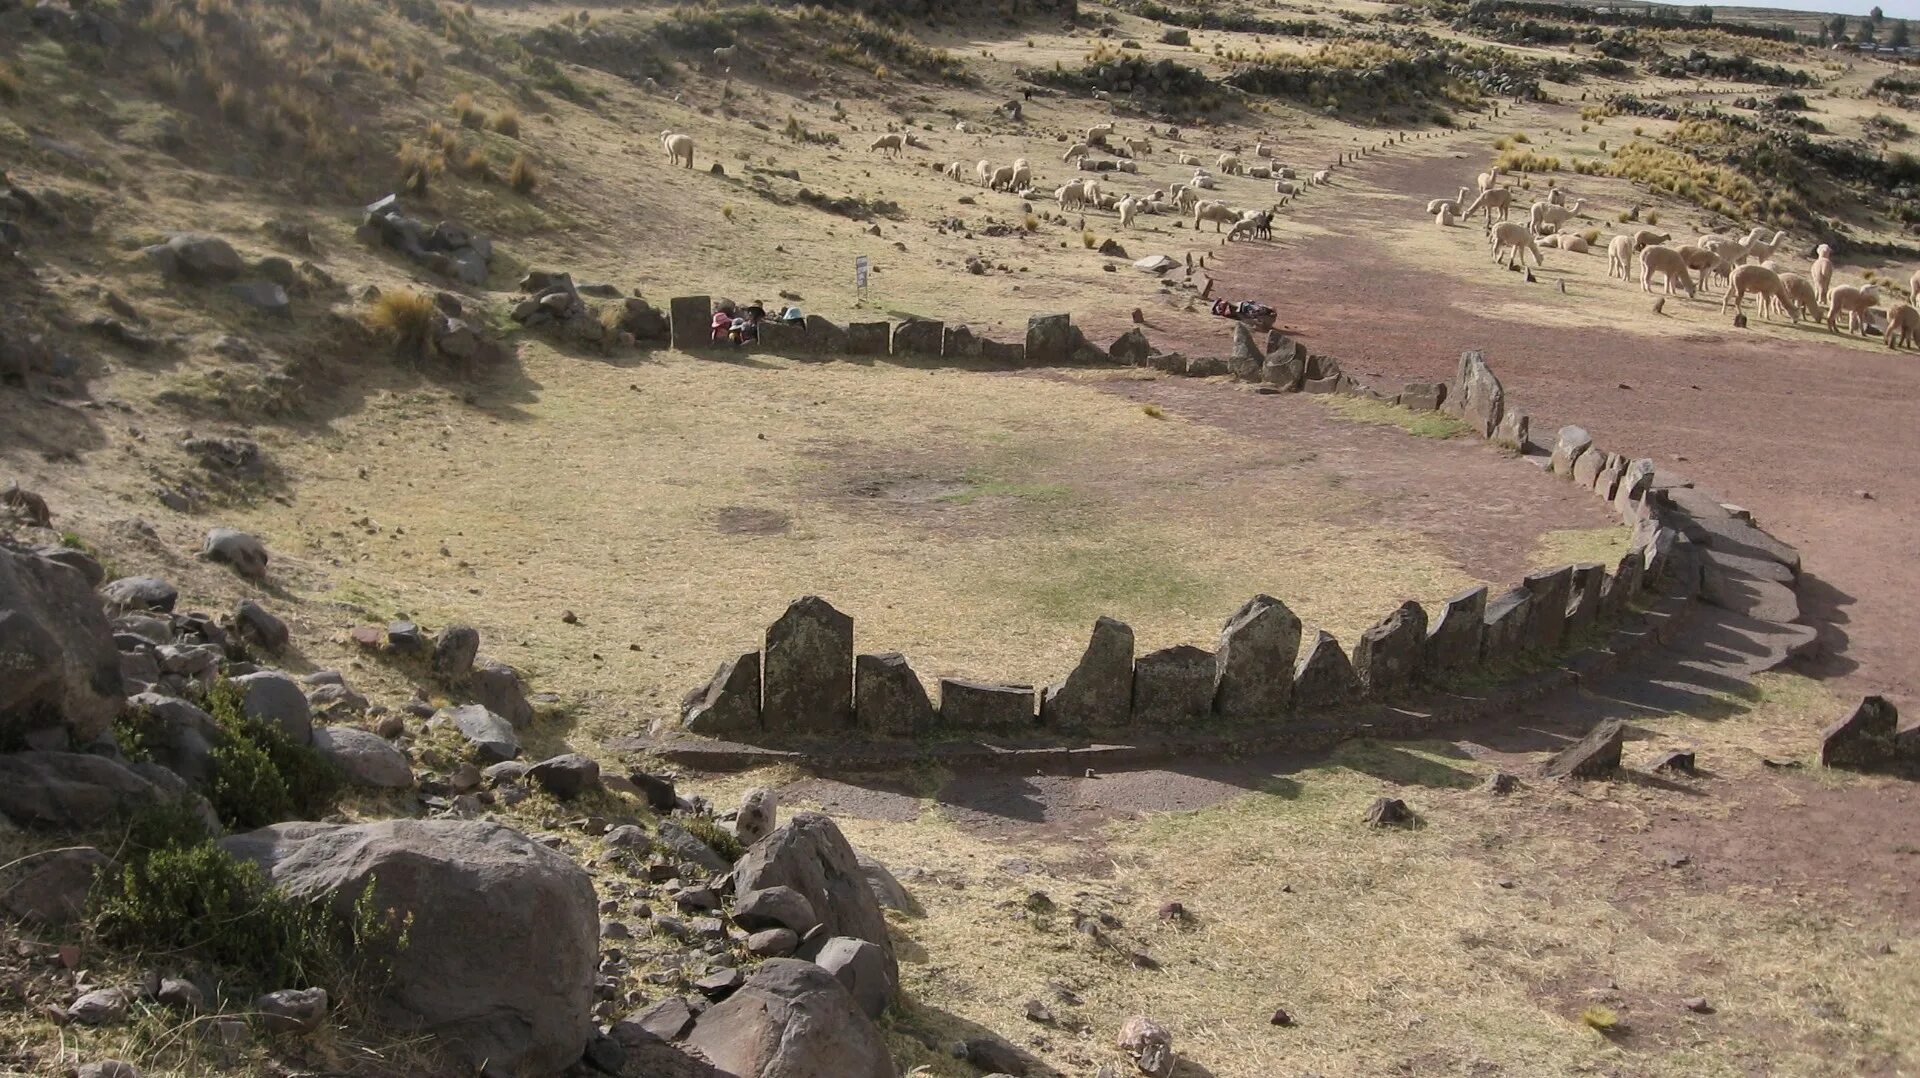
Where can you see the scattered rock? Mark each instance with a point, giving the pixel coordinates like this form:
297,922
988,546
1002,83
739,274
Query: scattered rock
566,777
810,855
1596,755
1698,1005
500,689
181,995
365,758
756,817
490,736
1681,760
272,697
292,1012
1150,1045
454,651
51,888
1500,784
257,626
139,593
792,1018
56,648
68,791
1389,812
1864,739
773,942
658,790
101,1007
990,1053
108,1068
863,968
775,907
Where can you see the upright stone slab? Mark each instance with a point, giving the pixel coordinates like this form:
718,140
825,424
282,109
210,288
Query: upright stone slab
1253,664
1049,340
825,336
1324,678
1505,638
1475,395
869,338
1594,756
1513,431
1286,365
1583,607
1423,396
1550,589
1862,739
729,703
918,337
1568,447
1099,691
1453,641
783,338
888,698
1387,656
985,705
1173,686
1618,593
1587,467
1010,353
1131,347
1246,360
1635,481
807,671
691,322
959,342
1608,481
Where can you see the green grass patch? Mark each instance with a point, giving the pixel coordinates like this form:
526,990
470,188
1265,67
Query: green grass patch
1436,425
1574,546
981,484
1080,584
709,831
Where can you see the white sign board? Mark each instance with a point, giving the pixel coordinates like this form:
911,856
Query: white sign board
860,273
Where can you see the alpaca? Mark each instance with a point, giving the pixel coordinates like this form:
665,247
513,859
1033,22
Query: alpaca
1497,198
1647,237
1903,324
1515,239
1620,258
1764,284
677,147
1704,262
1555,216
1451,205
1762,249
889,145
1667,262
1801,294
1022,174
1855,301
1489,177
984,170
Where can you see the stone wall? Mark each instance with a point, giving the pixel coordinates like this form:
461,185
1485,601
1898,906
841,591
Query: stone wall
1051,340
807,683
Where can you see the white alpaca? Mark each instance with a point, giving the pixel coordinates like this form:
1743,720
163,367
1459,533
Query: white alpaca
1229,164
1855,301
1246,226
1022,173
1138,147
1451,205
1667,262
1219,213
1128,206
1647,237
1555,216
1443,218
889,145
1489,200
984,170
1707,264
1078,149
1071,195
1189,159
1801,294
1566,241
723,57
1259,172
1762,249
1489,177
677,147
951,171
1823,271
1903,324
1516,240
1557,197
1261,149
1764,284
1185,196
1620,258
1097,134
1323,177
1913,286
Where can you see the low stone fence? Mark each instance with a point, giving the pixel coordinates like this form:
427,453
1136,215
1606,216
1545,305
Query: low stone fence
807,684
1052,339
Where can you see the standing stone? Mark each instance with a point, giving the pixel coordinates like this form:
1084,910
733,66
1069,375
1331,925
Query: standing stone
1131,348
1099,690
1387,656
1324,677
888,697
1453,642
1253,663
1007,353
782,338
1571,444
918,337
1635,481
729,703
1475,396
959,342
1587,467
1550,589
500,688
1583,606
869,338
691,322
454,651
1512,431
1596,755
1622,587
984,705
825,336
1608,480
1423,396
1863,738
1049,340
807,671
1247,360
1505,639
1285,365
1173,686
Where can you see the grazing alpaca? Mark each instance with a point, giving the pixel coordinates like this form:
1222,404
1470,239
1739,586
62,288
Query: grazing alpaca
1498,198
1667,262
1706,263
1516,240
1764,284
1801,294
1903,323
1856,302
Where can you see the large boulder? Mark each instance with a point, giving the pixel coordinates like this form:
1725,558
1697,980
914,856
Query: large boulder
499,688
365,758
71,791
792,1019
499,962
273,698
58,664
1324,677
139,593
810,855
1173,686
1387,657
728,703
176,734
51,888
1049,340
489,736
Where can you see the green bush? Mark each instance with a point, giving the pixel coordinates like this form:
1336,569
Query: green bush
259,775
723,842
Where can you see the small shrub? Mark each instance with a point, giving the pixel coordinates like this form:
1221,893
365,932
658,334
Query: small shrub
260,776
1153,411
415,70
419,166
406,318
1089,240
468,113
522,176
506,121
723,841
477,165
1031,223
1602,1019
1653,217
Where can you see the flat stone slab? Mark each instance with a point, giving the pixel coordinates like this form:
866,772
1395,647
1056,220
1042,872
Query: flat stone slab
983,705
1173,686
1756,597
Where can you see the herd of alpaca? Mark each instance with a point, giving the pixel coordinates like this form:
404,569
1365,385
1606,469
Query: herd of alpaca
1742,266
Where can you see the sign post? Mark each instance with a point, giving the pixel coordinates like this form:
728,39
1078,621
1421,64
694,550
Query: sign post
860,265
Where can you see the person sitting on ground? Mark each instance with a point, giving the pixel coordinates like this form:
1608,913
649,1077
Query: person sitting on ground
754,312
792,316
722,323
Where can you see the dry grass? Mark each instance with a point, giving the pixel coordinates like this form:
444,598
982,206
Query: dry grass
523,175
1379,413
12,84
468,112
405,318
505,121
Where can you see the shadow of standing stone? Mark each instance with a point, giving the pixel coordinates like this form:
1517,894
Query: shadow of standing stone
1173,686
1253,666
1099,690
888,697
1387,657
729,703
808,669
1324,678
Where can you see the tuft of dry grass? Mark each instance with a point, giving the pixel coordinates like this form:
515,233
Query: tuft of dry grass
405,317
1153,411
505,121
1600,1019
476,165
469,113
420,166
523,176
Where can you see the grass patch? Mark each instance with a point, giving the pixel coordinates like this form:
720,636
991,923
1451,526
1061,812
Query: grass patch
707,830
522,175
1436,425
1574,546
506,122
405,318
1082,584
982,485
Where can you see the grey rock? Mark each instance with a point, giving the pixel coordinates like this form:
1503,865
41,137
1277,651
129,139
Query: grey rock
245,553
918,337
567,777
685,846
274,698
667,1019
981,705
1131,348
826,337
498,687
775,907
51,888
862,969
1173,686
1324,677
1547,618
490,736
807,669
691,319
795,1019
960,342
1423,396
1388,654
181,995
1506,636
1587,467
101,1007
1049,340
1475,396
810,855
756,816
179,736
337,701
1513,431
868,338
77,560
454,650
1568,447
487,980
888,697
886,889
139,593
773,943
108,1068
1099,690
58,663
1583,603
199,258
1286,364
70,791
1246,360
720,983
365,758
1453,639
1253,664
1594,756
729,703
292,1012
256,625
1864,739
264,296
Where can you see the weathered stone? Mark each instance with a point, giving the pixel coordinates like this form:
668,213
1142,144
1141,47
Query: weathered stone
272,697
667,1019
1622,587
201,258
567,777
809,854
1587,467
454,651
775,907
1246,360
78,560
983,705
1206,367
367,759
51,888
1423,396
1568,447
58,663
1681,760
1607,482
1099,690
1131,347
691,321
959,342
1006,353
1635,481
498,687
885,888
687,847
826,337
888,697
861,968
1253,661
1583,605
757,815
405,638
1387,656
1475,395
773,943
1389,812
795,1019
1596,755
1150,1046
1335,384
1507,634
1453,641
807,670
292,1012
729,703
1324,676
489,736
139,593
100,1007
720,983
503,939
1547,616
1049,340
1173,686
1321,367
70,791
1863,739
1513,431
1731,589
264,296
918,337
1286,365
108,1068
175,733
259,627
1724,533
782,338
869,338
